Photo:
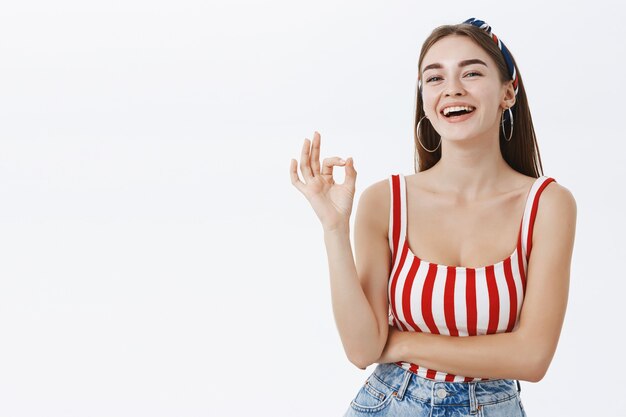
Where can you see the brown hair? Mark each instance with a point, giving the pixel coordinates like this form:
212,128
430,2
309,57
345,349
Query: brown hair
521,152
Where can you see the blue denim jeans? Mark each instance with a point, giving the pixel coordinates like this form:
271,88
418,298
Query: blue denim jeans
393,391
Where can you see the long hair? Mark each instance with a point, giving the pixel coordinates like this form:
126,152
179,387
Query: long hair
521,152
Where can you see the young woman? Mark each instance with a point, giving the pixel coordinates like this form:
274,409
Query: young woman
460,282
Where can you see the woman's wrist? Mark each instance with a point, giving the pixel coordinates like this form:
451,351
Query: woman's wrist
337,229
396,346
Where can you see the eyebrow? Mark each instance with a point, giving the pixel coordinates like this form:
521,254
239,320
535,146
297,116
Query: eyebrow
463,63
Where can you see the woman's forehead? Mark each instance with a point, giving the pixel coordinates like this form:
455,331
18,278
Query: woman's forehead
450,50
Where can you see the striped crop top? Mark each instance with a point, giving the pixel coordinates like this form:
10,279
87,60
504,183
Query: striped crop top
451,300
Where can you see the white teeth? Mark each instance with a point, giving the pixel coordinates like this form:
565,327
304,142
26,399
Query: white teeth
447,110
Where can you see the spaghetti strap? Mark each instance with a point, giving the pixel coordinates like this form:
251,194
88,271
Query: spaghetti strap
530,213
397,213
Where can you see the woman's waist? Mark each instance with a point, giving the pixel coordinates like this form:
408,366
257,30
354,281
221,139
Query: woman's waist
392,376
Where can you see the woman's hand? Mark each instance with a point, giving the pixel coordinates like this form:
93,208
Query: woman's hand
393,348
332,202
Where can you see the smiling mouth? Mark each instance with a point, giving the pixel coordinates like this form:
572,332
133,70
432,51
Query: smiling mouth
455,111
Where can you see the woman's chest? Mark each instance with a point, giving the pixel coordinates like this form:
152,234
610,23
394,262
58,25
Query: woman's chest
457,235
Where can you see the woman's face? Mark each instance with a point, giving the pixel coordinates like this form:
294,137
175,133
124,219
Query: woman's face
456,71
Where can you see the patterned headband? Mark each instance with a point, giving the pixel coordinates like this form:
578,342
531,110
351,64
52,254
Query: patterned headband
505,52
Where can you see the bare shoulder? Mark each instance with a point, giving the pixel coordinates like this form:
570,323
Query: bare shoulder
420,179
375,205
378,189
423,183
556,217
557,200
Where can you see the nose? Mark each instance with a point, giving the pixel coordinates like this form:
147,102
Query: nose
454,87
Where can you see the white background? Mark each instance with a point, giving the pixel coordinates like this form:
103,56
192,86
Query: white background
155,259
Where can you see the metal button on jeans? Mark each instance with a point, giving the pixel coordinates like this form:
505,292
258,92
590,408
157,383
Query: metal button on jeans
441,393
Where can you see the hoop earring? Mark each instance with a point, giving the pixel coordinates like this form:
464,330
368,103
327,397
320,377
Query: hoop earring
420,141
508,139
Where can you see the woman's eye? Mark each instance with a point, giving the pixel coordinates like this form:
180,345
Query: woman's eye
436,78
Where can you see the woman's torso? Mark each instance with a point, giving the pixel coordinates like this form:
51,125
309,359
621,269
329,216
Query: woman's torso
431,234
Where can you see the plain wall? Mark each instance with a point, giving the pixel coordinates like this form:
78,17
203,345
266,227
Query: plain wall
155,259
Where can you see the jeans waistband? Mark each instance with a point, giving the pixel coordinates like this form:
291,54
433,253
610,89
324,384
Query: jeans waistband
405,382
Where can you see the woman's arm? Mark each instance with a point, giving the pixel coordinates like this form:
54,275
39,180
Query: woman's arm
500,355
359,288
526,352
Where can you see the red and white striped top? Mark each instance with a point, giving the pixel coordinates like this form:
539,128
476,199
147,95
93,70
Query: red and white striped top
454,300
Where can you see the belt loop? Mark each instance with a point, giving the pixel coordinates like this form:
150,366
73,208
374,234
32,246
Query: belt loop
519,387
472,398
405,384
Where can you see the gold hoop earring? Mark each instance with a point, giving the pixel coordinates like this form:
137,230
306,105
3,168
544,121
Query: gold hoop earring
508,139
420,141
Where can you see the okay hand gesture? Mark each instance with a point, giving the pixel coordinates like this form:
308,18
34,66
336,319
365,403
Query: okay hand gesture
332,202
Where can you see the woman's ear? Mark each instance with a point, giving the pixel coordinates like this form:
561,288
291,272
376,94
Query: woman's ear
509,96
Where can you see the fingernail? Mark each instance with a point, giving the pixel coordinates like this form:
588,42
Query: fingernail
342,161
